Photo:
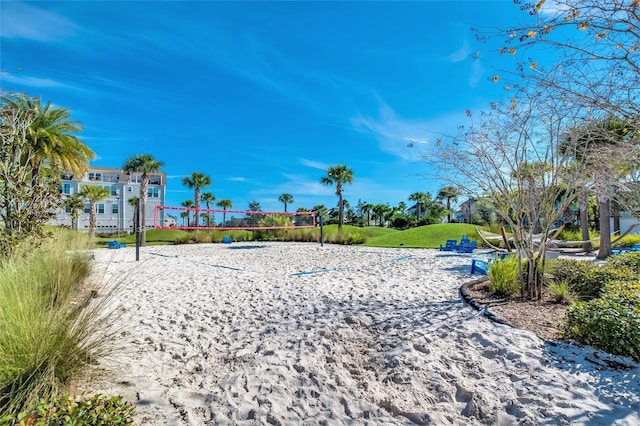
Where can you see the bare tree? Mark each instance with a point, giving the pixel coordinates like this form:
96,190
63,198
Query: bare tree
512,158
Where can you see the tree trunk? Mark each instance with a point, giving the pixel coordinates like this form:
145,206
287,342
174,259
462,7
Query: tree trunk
197,203
92,222
584,220
615,212
144,184
340,212
605,228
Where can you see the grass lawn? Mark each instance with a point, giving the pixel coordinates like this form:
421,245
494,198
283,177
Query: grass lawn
430,236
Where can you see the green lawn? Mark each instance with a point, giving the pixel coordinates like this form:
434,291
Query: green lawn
430,236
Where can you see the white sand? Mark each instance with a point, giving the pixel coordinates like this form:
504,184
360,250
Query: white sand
298,334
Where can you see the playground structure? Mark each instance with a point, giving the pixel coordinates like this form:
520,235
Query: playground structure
223,220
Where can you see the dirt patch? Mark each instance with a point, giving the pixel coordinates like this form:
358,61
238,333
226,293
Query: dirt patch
545,318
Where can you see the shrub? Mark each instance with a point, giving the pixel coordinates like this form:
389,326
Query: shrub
96,411
629,260
588,279
610,322
351,238
504,276
202,237
628,241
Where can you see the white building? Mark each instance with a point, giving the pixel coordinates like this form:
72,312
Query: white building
114,213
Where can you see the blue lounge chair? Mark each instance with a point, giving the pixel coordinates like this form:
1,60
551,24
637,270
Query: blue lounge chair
451,245
467,247
113,244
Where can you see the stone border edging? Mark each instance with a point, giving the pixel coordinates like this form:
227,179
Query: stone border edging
484,310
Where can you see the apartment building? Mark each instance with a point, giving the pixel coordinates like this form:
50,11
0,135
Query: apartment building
114,213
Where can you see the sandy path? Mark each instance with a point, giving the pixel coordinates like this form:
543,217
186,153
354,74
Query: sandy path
298,334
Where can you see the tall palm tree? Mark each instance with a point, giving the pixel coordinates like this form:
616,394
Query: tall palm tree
366,210
448,193
144,164
338,175
51,137
93,193
133,202
197,181
188,204
286,199
225,204
208,198
420,198
185,217
75,203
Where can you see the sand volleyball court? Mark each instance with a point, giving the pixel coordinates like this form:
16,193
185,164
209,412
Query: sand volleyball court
298,334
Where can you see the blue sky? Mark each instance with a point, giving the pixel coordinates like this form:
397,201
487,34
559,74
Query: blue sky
261,96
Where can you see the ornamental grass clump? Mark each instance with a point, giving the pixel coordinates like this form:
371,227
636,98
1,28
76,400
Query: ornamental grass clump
504,276
562,291
51,324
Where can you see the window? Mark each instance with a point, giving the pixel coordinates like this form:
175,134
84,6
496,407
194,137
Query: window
66,188
66,176
135,178
111,177
114,209
154,180
68,210
153,192
114,189
87,208
129,189
95,176
100,208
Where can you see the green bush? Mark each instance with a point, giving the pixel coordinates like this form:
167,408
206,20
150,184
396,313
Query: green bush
628,241
351,238
95,411
609,322
504,276
629,260
588,279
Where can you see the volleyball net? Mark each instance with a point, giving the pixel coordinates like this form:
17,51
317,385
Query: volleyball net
167,217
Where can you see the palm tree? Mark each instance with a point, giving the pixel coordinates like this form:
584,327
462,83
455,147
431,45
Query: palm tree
338,175
366,209
448,193
133,202
188,204
286,199
93,193
75,203
185,216
208,198
420,198
144,164
51,137
196,181
379,212
225,204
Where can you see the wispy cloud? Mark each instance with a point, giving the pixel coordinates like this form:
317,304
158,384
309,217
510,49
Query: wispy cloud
22,20
477,71
236,179
27,81
393,132
460,54
314,164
